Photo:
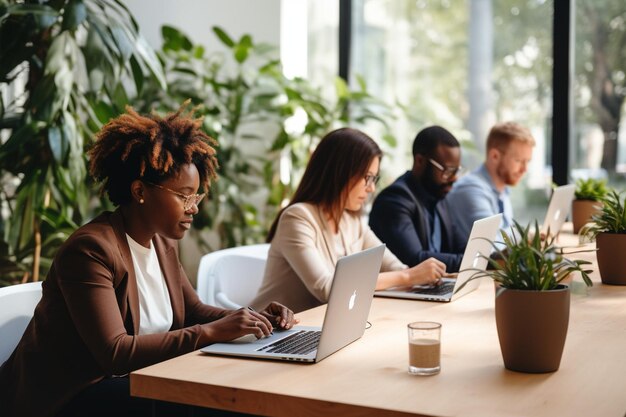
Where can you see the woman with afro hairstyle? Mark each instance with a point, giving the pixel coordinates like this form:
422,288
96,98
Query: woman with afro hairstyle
116,298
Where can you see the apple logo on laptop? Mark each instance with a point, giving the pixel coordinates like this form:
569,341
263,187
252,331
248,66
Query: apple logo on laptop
351,302
476,259
557,214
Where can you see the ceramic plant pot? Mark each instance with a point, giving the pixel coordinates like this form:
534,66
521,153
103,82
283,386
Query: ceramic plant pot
612,258
582,210
532,327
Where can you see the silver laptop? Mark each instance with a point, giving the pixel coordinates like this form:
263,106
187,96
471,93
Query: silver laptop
346,315
558,209
478,245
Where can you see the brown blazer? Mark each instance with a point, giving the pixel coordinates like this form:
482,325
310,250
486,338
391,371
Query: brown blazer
85,326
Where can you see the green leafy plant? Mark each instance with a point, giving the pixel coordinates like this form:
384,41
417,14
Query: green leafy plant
590,189
66,67
525,261
610,219
266,126
70,66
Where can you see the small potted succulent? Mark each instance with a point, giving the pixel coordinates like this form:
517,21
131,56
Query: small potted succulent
532,302
588,199
608,228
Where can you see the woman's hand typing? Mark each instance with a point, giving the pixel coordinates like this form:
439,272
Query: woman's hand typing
279,315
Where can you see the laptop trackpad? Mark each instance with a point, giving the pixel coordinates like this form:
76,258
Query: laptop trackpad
246,338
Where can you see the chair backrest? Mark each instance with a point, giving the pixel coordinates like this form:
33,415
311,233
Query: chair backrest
230,278
17,305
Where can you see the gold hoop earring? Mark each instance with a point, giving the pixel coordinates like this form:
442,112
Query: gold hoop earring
141,201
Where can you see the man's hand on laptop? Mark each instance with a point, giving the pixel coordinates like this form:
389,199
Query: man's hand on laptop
428,272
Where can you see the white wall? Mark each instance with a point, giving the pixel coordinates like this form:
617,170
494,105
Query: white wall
259,18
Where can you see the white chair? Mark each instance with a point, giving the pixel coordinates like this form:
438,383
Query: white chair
17,305
230,278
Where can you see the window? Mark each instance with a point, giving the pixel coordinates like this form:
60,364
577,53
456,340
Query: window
463,65
466,64
598,143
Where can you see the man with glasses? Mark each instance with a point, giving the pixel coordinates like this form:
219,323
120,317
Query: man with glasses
409,215
485,192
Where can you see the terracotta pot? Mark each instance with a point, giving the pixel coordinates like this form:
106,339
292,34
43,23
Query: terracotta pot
582,210
532,327
611,259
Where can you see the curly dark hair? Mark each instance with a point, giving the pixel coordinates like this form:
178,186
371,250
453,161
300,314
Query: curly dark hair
153,148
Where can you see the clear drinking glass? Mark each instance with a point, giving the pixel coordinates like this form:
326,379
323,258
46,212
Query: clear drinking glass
424,348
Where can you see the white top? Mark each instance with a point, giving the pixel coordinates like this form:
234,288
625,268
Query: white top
303,254
155,307
340,245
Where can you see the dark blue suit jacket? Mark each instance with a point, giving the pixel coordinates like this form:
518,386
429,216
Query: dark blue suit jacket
399,218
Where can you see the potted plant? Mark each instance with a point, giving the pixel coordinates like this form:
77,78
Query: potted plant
66,68
587,201
608,228
532,303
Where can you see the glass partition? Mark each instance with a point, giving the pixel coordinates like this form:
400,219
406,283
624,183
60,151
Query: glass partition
599,139
464,65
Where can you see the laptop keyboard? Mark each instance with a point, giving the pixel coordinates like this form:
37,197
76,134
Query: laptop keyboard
438,290
299,343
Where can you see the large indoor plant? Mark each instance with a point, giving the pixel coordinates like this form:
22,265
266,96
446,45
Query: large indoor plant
66,67
266,125
588,195
532,303
608,228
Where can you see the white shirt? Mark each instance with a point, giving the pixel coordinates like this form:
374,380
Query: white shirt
155,308
340,245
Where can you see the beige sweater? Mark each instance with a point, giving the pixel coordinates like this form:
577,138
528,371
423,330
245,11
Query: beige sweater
303,255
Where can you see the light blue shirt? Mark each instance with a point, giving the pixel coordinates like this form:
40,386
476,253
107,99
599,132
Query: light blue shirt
475,197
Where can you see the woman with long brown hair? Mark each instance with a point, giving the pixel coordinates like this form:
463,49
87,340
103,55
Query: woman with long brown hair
322,223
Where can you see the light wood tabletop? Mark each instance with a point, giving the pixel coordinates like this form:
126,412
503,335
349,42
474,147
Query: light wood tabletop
369,377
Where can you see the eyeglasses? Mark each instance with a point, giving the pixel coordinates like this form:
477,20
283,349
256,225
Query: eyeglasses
446,172
188,200
371,179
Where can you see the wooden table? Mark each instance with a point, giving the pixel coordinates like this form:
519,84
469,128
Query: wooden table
369,377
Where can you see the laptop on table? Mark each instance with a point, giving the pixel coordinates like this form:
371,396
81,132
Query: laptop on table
478,246
349,304
558,209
